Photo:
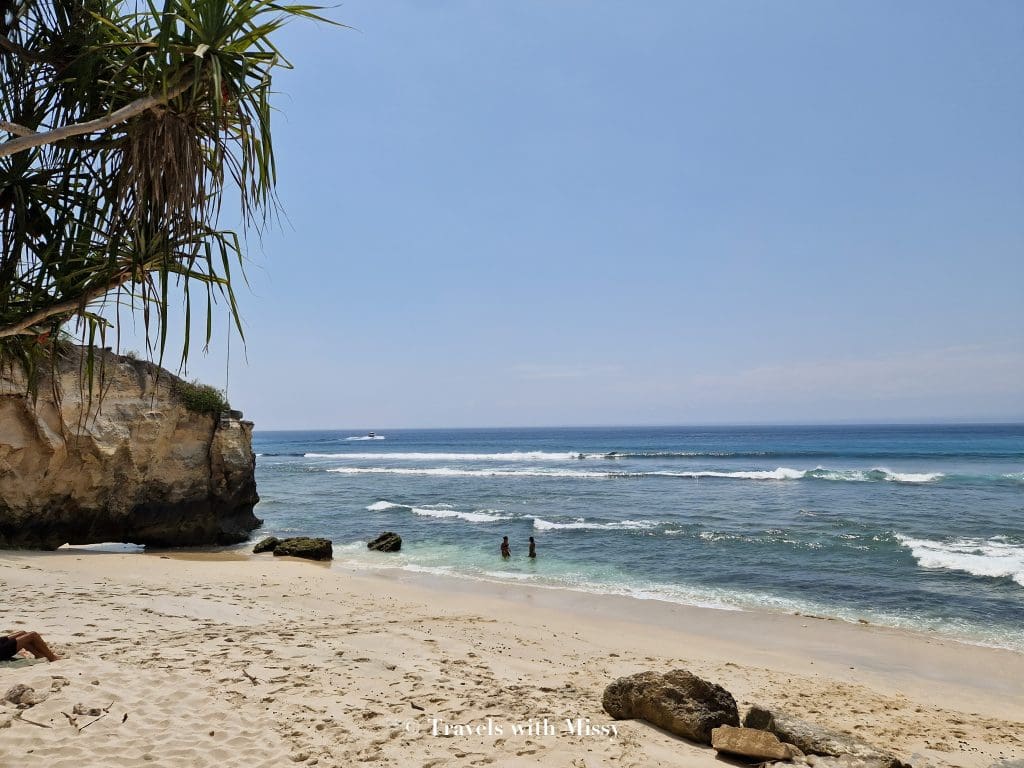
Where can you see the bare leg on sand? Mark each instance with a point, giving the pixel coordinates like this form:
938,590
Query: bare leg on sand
33,643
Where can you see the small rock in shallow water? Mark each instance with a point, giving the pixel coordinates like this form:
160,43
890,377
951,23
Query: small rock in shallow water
386,542
268,544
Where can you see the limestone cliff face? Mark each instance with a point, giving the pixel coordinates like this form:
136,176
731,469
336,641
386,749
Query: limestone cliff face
139,467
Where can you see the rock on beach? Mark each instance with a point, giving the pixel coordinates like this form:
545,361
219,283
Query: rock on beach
678,701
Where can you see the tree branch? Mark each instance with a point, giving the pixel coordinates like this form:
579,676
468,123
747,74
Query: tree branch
63,307
12,47
17,130
126,112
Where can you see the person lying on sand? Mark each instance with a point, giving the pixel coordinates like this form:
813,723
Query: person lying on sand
25,641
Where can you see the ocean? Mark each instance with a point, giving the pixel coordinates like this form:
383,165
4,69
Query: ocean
919,527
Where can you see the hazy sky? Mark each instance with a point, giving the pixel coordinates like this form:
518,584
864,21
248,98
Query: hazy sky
541,212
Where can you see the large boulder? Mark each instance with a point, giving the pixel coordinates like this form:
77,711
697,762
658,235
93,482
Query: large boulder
136,464
303,546
678,701
386,542
815,740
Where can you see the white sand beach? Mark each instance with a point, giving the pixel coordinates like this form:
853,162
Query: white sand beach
214,660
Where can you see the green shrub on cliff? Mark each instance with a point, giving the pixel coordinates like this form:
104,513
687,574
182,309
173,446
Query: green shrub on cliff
200,398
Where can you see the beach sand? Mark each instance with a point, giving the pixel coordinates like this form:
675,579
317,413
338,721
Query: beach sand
205,660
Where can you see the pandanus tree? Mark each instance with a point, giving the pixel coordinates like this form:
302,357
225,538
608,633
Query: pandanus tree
123,129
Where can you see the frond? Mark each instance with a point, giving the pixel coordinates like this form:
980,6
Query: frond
130,213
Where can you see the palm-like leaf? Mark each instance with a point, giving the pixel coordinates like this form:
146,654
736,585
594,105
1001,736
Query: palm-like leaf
175,97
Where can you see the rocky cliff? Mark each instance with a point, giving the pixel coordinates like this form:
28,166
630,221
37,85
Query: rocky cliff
136,466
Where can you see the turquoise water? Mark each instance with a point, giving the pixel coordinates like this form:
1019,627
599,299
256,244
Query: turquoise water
917,527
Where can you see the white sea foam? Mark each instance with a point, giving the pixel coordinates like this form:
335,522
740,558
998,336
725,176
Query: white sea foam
442,511
779,474
582,524
509,576
995,557
508,457
365,437
481,516
433,570
454,472
782,473
720,536
878,474
381,506
914,477
818,473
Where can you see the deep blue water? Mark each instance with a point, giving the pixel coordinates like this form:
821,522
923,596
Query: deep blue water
920,527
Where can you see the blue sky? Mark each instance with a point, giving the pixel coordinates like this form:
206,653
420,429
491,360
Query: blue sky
548,212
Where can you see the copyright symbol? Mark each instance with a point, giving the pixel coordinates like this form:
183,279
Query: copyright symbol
411,727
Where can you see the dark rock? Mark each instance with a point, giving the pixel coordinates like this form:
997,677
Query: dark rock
817,741
678,701
386,542
268,544
751,742
303,546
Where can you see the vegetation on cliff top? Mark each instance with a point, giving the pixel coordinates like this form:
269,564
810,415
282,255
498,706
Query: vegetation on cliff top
122,129
200,398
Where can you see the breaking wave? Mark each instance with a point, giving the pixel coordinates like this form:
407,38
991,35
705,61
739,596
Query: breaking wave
442,511
996,557
451,472
512,456
615,455
780,473
581,524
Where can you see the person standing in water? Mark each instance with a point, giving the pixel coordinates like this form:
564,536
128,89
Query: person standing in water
506,553
533,548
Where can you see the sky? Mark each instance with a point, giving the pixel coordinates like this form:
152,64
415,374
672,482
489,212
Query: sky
569,212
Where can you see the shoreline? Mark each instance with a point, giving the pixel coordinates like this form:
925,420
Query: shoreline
512,586
348,664
356,566
839,642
